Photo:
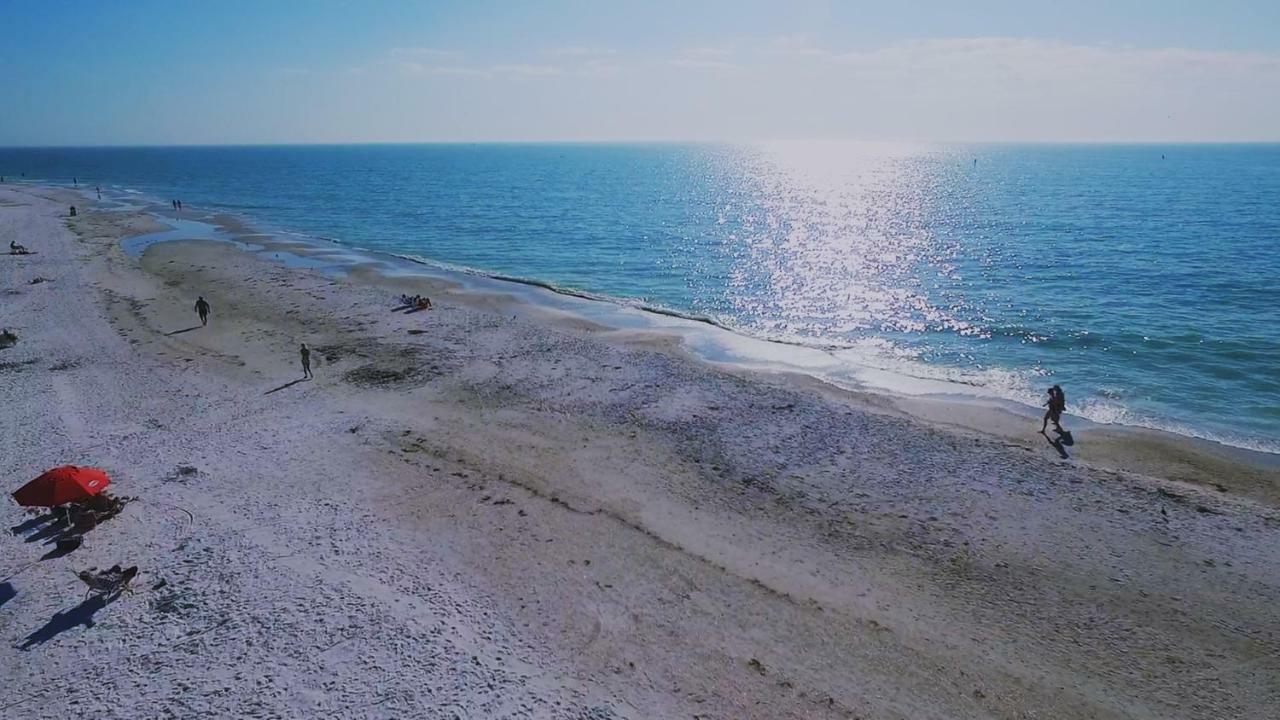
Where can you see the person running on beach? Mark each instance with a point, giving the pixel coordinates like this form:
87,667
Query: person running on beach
202,309
1056,404
306,361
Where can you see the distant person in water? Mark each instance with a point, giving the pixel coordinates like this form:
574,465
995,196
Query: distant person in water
99,189
174,203
16,249
306,361
179,206
1056,404
73,211
202,309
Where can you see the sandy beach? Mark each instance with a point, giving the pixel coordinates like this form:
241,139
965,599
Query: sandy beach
490,510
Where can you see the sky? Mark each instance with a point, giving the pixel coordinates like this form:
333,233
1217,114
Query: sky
335,71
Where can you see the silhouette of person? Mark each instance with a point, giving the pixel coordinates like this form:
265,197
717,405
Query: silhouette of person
306,361
202,309
1056,404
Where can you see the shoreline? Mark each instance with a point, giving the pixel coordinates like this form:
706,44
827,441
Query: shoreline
930,386
1153,451
848,365
494,509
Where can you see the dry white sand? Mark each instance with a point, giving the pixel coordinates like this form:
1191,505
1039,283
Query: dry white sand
483,511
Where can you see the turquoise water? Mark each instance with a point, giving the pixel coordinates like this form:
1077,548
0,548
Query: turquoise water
1141,278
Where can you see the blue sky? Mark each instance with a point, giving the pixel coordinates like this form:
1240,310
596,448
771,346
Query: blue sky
398,71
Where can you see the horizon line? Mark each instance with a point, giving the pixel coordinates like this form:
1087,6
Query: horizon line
633,141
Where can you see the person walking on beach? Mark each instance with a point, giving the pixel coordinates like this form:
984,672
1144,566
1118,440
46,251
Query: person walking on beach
202,309
1056,404
306,361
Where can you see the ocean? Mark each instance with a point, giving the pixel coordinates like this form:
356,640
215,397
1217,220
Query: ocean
1142,278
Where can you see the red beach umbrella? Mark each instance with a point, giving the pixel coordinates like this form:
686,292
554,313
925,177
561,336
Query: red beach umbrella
65,484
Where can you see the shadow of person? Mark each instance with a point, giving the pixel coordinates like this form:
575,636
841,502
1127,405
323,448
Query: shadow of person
289,384
1057,445
50,532
63,546
60,533
1064,437
81,614
183,330
7,593
32,523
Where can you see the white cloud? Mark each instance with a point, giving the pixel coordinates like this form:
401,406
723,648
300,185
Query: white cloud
997,89
794,45
583,51
708,52
598,68
527,70
697,64
1044,59
704,58
425,54
413,68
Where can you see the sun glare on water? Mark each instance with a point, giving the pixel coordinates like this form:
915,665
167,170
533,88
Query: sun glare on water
835,241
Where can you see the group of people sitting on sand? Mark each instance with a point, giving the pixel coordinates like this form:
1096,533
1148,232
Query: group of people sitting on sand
16,249
418,302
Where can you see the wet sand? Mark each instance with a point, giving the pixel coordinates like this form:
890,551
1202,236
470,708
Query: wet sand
491,510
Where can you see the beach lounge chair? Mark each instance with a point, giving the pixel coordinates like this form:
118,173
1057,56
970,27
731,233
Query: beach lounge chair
108,583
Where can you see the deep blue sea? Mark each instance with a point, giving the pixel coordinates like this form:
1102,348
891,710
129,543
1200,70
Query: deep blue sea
1144,279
